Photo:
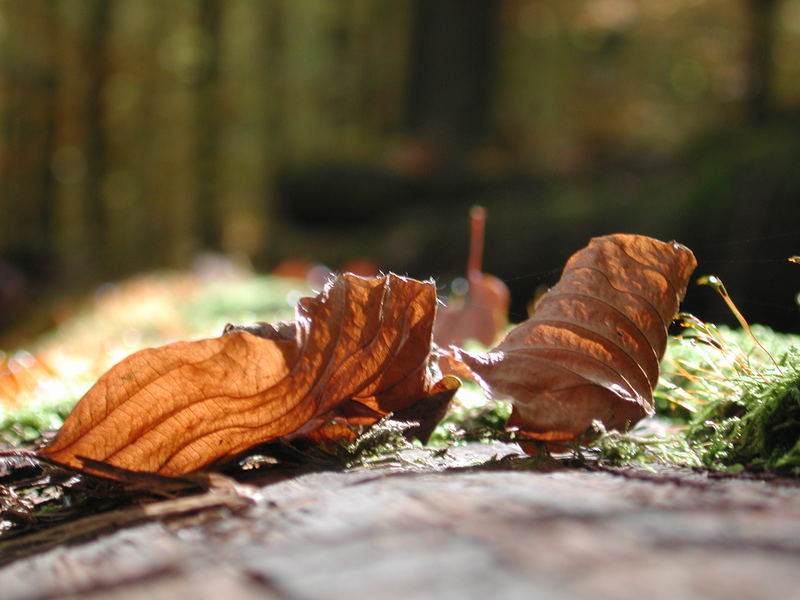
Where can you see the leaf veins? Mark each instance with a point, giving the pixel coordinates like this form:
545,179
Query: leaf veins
355,352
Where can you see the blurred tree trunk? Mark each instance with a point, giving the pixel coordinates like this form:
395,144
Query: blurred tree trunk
452,62
759,57
78,159
208,125
97,67
151,151
130,47
47,204
174,133
27,109
250,133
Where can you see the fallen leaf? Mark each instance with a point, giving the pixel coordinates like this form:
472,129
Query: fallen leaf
591,349
481,314
357,351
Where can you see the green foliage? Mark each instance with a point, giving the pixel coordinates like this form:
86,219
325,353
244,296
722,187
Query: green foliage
758,428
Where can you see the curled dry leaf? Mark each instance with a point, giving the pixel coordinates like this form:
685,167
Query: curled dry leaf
355,352
591,349
483,314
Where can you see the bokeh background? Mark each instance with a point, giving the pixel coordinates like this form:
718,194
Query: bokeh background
141,134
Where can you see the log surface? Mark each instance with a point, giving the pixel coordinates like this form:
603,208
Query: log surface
450,532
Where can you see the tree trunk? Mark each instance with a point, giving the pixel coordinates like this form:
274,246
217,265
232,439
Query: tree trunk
759,57
96,61
207,126
453,45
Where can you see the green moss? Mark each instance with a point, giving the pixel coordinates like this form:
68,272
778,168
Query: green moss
472,418
734,407
708,362
618,448
758,426
25,426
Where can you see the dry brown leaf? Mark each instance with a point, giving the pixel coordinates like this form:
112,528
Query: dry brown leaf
483,314
358,350
591,350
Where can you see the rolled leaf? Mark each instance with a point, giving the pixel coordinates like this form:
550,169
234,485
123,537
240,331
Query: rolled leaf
591,349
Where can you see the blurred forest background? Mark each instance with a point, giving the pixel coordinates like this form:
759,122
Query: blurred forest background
139,134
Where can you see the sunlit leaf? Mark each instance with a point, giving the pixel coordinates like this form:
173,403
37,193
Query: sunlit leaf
358,350
592,347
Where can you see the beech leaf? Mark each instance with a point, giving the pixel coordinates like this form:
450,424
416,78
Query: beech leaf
355,352
483,314
591,349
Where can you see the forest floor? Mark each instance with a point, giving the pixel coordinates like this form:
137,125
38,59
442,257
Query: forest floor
476,523
474,520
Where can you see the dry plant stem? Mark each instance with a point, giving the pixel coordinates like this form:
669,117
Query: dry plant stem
717,284
477,229
483,313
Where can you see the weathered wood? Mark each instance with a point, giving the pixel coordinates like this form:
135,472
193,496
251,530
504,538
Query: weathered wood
450,531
